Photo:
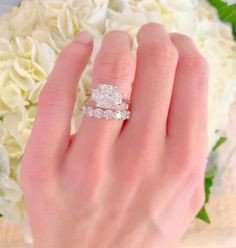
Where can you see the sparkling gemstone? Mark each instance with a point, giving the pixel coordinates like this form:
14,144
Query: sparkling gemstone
106,96
124,115
118,115
89,111
98,113
108,114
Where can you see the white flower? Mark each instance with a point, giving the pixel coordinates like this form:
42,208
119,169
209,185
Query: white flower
6,50
32,36
11,96
22,22
4,159
11,189
12,205
230,1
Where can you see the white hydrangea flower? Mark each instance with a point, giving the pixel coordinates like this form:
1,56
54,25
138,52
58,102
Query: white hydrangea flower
230,1
4,160
28,51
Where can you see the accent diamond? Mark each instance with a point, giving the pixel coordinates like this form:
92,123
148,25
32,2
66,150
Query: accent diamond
89,111
108,114
118,115
98,113
106,96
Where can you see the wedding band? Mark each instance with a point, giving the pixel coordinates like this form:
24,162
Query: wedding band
107,114
107,96
108,103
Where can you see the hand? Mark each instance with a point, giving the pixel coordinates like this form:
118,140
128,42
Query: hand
120,184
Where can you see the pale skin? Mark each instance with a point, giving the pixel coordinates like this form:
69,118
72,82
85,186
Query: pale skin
120,184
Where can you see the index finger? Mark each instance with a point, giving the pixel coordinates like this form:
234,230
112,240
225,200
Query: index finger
51,132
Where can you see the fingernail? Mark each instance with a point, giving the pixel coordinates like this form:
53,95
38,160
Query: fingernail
84,37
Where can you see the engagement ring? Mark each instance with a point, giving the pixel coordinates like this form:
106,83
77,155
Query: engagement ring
108,101
107,96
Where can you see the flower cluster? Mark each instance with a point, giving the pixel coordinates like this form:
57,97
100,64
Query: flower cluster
230,1
32,36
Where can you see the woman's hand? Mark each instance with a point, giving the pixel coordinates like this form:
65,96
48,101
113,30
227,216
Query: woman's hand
120,184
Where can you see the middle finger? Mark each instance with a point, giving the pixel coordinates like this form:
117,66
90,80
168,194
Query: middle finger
156,64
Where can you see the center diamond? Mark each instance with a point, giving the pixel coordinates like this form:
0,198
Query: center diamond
106,96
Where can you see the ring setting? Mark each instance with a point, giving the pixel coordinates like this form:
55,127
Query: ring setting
107,96
108,99
107,114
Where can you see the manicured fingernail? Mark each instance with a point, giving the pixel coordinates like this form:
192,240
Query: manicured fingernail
84,37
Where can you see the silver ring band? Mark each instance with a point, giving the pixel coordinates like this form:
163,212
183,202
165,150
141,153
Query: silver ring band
107,114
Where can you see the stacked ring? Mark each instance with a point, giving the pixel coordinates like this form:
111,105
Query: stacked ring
107,114
107,98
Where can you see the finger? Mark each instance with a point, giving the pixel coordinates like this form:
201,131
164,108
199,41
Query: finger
51,132
114,65
187,120
156,64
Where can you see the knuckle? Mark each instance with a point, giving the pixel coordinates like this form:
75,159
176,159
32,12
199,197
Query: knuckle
95,159
181,38
161,53
190,171
115,66
131,174
35,174
195,63
72,52
48,100
51,99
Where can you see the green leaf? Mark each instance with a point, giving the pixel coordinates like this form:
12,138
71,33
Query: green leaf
234,30
209,179
208,184
218,143
202,215
226,12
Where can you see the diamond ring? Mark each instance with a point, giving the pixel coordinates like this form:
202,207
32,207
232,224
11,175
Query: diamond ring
107,114
108,103
107,96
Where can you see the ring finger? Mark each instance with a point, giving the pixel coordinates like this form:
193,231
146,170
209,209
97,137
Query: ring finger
113,65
